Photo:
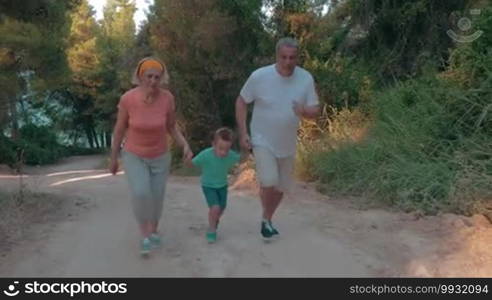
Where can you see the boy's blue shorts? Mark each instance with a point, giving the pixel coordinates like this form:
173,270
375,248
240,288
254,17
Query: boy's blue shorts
216,196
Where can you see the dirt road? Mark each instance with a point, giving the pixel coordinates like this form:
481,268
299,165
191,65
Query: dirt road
97,235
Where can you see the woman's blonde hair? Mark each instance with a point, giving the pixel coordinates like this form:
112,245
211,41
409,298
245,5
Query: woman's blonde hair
164,77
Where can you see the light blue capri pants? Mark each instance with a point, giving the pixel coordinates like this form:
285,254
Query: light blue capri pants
147,180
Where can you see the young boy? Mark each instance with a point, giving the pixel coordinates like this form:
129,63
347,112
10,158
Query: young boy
215,163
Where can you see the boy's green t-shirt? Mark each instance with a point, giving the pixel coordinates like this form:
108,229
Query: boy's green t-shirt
214,168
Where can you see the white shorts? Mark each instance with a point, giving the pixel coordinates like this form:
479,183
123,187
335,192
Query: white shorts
272,171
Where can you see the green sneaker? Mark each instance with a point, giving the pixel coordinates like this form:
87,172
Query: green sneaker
145,247
155,240
211,237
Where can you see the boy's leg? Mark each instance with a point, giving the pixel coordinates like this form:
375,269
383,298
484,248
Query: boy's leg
213,202
222,199
213,217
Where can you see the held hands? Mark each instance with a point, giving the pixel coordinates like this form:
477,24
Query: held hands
187,154
245,142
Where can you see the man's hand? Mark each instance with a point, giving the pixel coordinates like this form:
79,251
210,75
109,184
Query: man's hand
308,112
298,110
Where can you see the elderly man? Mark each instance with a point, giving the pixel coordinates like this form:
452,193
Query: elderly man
282,94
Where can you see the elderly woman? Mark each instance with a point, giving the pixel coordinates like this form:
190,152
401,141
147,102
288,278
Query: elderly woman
146,117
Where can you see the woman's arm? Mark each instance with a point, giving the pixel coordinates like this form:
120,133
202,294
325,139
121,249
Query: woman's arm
175,132
241,115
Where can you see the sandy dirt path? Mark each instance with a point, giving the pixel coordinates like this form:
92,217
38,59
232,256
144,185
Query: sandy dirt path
319,236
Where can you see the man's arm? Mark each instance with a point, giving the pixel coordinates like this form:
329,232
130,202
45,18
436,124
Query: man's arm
311,112
307,112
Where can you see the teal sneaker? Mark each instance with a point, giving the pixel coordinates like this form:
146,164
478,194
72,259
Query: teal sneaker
211,237
145,247
155,240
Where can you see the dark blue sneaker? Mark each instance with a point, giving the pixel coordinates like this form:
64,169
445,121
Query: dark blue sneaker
266,230
274,230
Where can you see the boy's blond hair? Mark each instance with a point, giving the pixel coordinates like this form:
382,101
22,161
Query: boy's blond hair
225,134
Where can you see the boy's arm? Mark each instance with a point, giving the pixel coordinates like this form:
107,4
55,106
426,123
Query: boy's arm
195,161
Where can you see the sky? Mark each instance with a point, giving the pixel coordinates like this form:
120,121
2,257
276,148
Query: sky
142,8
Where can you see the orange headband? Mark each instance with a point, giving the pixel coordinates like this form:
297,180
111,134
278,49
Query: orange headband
150,64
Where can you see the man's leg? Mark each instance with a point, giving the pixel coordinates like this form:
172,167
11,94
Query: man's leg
286,168
270,199
268,177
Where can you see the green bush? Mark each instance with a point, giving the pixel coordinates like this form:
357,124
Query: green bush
425,151
39,145
76,150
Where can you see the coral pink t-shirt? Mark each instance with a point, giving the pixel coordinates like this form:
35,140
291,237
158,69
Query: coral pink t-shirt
147,133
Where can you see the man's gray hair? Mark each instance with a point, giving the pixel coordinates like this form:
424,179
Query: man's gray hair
286,41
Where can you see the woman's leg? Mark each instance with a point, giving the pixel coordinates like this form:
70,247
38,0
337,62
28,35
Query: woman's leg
159,174
138,175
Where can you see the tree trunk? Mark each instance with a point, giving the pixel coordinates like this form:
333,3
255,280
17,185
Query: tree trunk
14,119
108,139
88,133
96,139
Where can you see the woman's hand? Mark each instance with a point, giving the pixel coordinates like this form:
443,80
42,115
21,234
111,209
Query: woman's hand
187,153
